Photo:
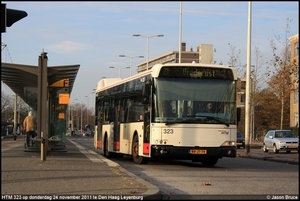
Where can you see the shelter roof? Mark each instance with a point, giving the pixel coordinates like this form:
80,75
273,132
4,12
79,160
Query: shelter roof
23,79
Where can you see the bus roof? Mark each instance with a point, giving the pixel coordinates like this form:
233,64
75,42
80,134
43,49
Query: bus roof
154,71
110,82
107,82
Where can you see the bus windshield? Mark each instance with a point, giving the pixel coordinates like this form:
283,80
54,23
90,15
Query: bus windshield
186,100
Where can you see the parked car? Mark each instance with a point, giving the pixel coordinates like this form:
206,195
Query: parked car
240,140
281,140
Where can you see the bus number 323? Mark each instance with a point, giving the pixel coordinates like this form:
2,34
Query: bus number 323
168,131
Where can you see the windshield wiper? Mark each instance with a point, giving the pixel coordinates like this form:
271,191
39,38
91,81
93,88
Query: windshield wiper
195,121
182,121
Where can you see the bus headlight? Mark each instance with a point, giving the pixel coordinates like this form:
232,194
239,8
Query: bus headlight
229,143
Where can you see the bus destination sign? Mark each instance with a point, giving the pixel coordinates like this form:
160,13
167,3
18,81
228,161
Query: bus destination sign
196,72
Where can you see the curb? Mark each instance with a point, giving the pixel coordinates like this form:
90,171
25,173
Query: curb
267,158
153,192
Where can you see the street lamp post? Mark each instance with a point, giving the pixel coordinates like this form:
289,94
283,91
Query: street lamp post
253,90
68,122
87,116
157,35
73,119
81,114
81,117
119,69
131,60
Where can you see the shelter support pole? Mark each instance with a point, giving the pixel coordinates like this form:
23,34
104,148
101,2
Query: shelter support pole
42,114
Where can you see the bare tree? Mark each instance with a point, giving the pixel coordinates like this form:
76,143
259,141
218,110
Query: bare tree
280,82
234,60
7,107
257,81
6,102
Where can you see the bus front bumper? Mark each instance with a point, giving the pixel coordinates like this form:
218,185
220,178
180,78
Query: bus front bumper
162,151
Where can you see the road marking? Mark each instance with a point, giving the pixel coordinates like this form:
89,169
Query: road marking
94,156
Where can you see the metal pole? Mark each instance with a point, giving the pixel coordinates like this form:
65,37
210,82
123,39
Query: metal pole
253,126
81,117
72,118
253,93
131,61
158,35
15,117
247,103
68,114
19,115
87,117
42,109
180,33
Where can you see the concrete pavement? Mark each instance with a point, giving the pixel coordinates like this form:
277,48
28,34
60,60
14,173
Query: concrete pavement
75,172
79,173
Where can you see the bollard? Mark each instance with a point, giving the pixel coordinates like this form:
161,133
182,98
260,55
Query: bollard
43,147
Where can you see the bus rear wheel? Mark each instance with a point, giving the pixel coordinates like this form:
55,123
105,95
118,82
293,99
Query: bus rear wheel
135,152
106,153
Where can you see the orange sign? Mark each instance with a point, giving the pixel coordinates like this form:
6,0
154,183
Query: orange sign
61,115
64,98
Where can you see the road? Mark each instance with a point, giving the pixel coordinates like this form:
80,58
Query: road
231,178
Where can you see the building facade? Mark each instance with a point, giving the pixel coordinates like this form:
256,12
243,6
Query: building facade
203,54
294,96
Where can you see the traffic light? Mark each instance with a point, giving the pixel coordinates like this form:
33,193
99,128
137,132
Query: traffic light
10,16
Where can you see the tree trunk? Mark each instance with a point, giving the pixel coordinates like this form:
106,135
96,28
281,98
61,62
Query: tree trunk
282,106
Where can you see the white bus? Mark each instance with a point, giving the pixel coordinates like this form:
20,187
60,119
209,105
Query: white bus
158,114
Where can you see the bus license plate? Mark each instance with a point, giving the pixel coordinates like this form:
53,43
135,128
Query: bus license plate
197,151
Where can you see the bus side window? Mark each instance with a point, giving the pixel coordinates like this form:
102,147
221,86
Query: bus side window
110,112
122,111
118,112
127,105
104,112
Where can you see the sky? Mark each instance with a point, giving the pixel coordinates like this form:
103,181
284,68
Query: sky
93,34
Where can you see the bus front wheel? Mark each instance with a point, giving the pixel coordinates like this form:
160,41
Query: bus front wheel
135,152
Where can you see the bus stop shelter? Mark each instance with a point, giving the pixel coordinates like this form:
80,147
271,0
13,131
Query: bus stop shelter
45,89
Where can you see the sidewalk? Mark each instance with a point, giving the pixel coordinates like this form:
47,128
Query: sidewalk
75,172
256,152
